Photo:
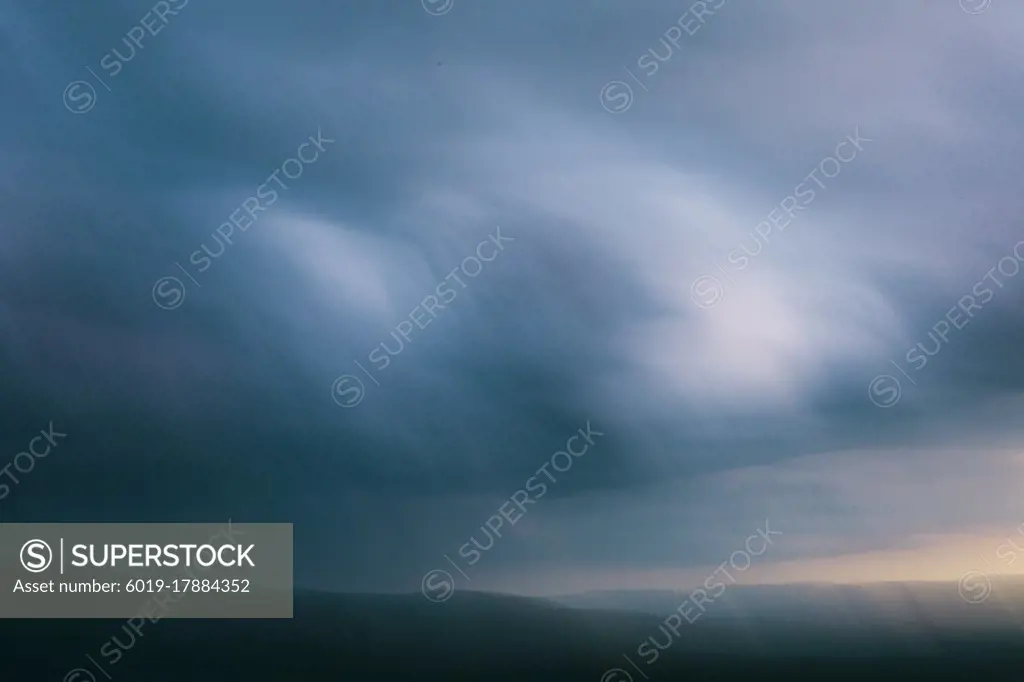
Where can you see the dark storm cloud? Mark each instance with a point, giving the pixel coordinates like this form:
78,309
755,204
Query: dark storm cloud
445,128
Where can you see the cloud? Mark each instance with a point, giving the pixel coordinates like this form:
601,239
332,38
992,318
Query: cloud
223,406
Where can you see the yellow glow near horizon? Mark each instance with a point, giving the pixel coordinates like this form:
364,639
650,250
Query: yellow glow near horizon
942,558
938,558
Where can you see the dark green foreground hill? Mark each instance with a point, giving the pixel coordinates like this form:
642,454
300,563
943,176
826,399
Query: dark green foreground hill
487,638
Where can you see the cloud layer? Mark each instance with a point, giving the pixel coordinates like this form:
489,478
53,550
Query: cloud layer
446,128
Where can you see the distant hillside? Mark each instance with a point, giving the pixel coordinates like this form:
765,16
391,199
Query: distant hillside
839,605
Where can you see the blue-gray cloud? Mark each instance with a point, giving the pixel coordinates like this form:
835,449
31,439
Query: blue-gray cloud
444,129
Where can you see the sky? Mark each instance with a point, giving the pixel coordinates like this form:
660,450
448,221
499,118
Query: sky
368,267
